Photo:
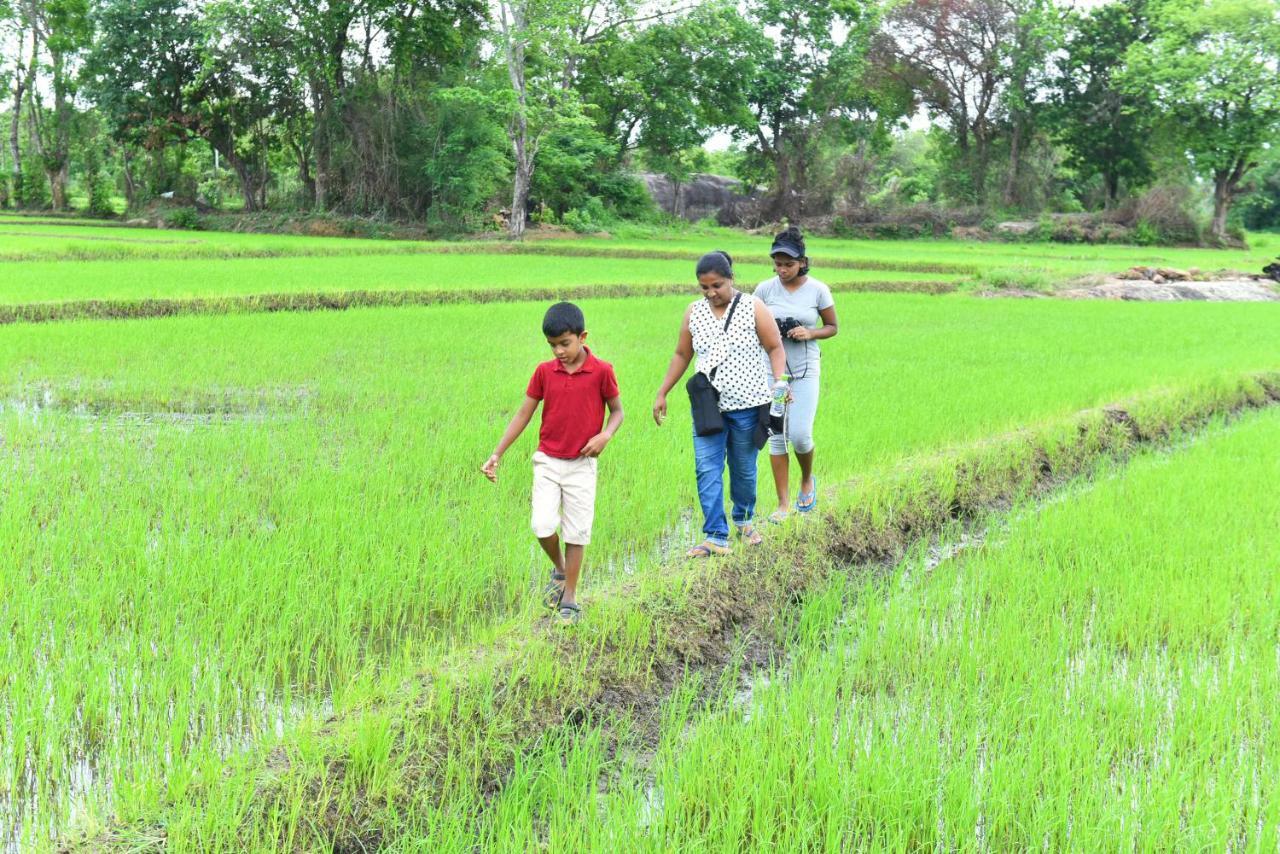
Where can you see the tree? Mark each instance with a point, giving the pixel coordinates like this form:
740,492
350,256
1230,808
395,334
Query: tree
544,44
537,44
62,29
1036,28
808,81
949,53
13,29
1213,69
143,61
665,87
1103,125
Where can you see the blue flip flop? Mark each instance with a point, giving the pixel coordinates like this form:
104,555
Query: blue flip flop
806,501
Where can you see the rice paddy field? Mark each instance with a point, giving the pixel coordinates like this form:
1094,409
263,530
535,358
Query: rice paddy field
257,595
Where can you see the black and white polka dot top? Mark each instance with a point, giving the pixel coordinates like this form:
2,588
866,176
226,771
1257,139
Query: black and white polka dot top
740,361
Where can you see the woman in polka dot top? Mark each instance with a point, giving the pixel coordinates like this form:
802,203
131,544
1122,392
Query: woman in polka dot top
739,348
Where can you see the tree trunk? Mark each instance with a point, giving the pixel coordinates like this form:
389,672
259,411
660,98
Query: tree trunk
1111,185
520,191
1015,157
58,187
130,184
15,151
1222,192
1226,184
58,177
248,184
308,180
515,23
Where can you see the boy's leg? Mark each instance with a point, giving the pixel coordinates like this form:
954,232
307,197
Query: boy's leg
573,554
545,518
578,495
708,455
551,545
740,428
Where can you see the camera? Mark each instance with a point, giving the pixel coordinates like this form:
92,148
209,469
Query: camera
786,324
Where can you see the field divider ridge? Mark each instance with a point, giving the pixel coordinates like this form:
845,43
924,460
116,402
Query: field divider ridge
154,307
427,248
460,725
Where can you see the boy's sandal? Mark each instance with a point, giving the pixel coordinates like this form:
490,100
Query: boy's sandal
749,533
779,517
569,614
554,591
806,501
707,549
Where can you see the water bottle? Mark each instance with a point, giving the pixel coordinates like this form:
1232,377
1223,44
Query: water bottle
778,408
780,389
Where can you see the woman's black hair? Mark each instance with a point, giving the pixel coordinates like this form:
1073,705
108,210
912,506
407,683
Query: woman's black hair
716,261
792,239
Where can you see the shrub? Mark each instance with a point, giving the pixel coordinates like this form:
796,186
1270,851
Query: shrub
1163,215
185,218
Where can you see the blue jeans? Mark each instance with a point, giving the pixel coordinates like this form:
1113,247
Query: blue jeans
736,444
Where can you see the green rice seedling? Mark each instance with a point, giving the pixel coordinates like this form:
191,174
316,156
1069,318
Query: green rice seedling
516,709
1089,675
998,264
224,529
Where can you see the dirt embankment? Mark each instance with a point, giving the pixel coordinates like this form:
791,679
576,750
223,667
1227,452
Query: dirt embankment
1163,284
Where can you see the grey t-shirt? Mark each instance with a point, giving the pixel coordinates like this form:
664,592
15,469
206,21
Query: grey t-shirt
803,357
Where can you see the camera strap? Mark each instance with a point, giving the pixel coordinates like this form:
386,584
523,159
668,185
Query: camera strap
727,320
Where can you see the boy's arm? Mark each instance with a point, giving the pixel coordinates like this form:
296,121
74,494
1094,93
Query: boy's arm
519,421
595,445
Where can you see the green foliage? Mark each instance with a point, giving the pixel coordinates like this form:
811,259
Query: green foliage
465,155
97,186
575,173
1211,70
184,218
1259,208
1104,125
33,188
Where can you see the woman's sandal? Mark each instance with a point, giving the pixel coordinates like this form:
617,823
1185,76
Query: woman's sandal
706,548
779,517
569,615
554,591
806,501
749,533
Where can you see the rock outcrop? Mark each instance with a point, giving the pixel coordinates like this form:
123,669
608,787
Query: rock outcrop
724,199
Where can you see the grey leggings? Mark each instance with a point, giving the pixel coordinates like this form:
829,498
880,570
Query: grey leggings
800,415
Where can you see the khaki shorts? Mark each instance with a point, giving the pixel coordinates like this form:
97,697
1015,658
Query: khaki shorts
564,497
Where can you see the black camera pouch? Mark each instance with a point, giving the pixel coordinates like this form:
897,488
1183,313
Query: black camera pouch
704,400
705,403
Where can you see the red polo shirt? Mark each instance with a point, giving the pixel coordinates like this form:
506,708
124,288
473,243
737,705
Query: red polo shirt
572,404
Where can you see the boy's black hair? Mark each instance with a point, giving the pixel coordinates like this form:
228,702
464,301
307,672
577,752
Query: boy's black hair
716,261
561,318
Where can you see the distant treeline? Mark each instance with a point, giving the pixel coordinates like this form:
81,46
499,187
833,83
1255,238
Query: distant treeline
466,114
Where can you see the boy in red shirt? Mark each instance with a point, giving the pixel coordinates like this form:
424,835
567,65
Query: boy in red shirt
575,388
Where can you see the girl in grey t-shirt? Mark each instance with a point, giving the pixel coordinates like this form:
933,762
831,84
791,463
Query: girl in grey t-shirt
805,311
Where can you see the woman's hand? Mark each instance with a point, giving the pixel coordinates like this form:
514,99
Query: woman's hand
659,409
801,333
